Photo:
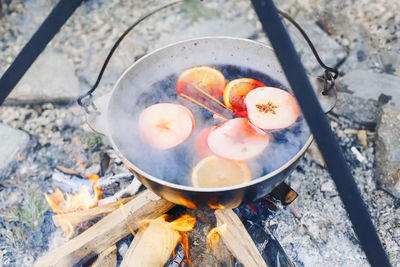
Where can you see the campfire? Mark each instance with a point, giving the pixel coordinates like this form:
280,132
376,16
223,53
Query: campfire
225,151
156,235
207,125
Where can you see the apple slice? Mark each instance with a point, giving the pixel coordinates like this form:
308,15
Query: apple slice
271,108
201,143
235,92
165,125
237,139
210,80
213,171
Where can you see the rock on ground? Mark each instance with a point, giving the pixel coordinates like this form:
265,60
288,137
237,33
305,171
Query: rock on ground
371,85
51,78
388,151
362,57
328,49
357,109
12,142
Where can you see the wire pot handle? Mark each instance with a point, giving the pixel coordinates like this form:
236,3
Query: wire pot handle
86,99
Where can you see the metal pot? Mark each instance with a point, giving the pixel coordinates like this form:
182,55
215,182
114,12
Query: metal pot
175,58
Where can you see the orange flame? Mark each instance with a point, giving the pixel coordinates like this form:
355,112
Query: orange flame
216,207
214,234
74,202
185,223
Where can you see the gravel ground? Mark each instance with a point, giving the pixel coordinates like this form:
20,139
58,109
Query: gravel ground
314,231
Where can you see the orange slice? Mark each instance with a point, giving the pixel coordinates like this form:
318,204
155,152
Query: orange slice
201,143
165,125
213,171
237,139
235,92
271,108
210,80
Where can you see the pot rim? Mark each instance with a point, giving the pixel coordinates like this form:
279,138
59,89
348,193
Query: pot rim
154,179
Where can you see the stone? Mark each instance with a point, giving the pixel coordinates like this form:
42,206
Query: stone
357,109
358,58
388,151
12,142
367,84
214,27
123,248
51,78
328,49
328,187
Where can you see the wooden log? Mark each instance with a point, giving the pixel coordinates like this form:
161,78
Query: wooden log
199,255
108,258
108,230
154,245
238,240
85,215
130,190
284,193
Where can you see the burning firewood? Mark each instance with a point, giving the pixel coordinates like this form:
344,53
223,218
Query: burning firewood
154,245
108,230
237,239
130,190
108,258
85,215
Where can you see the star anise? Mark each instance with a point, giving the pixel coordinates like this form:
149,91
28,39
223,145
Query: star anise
163,125
266,108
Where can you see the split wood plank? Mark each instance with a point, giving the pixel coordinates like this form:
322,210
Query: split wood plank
154,244
108,230
152,247
238,240
85,215
108,258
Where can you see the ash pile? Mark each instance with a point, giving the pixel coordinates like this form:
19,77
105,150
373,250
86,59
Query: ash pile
47,145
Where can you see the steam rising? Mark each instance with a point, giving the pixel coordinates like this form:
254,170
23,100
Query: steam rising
175,164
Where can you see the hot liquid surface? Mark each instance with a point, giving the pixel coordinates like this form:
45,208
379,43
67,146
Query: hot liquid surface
175,165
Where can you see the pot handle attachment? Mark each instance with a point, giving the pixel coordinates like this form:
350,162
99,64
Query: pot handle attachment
97,119
323,85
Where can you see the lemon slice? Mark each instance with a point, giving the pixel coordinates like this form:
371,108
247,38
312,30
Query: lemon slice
235,92
207,79
213,171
